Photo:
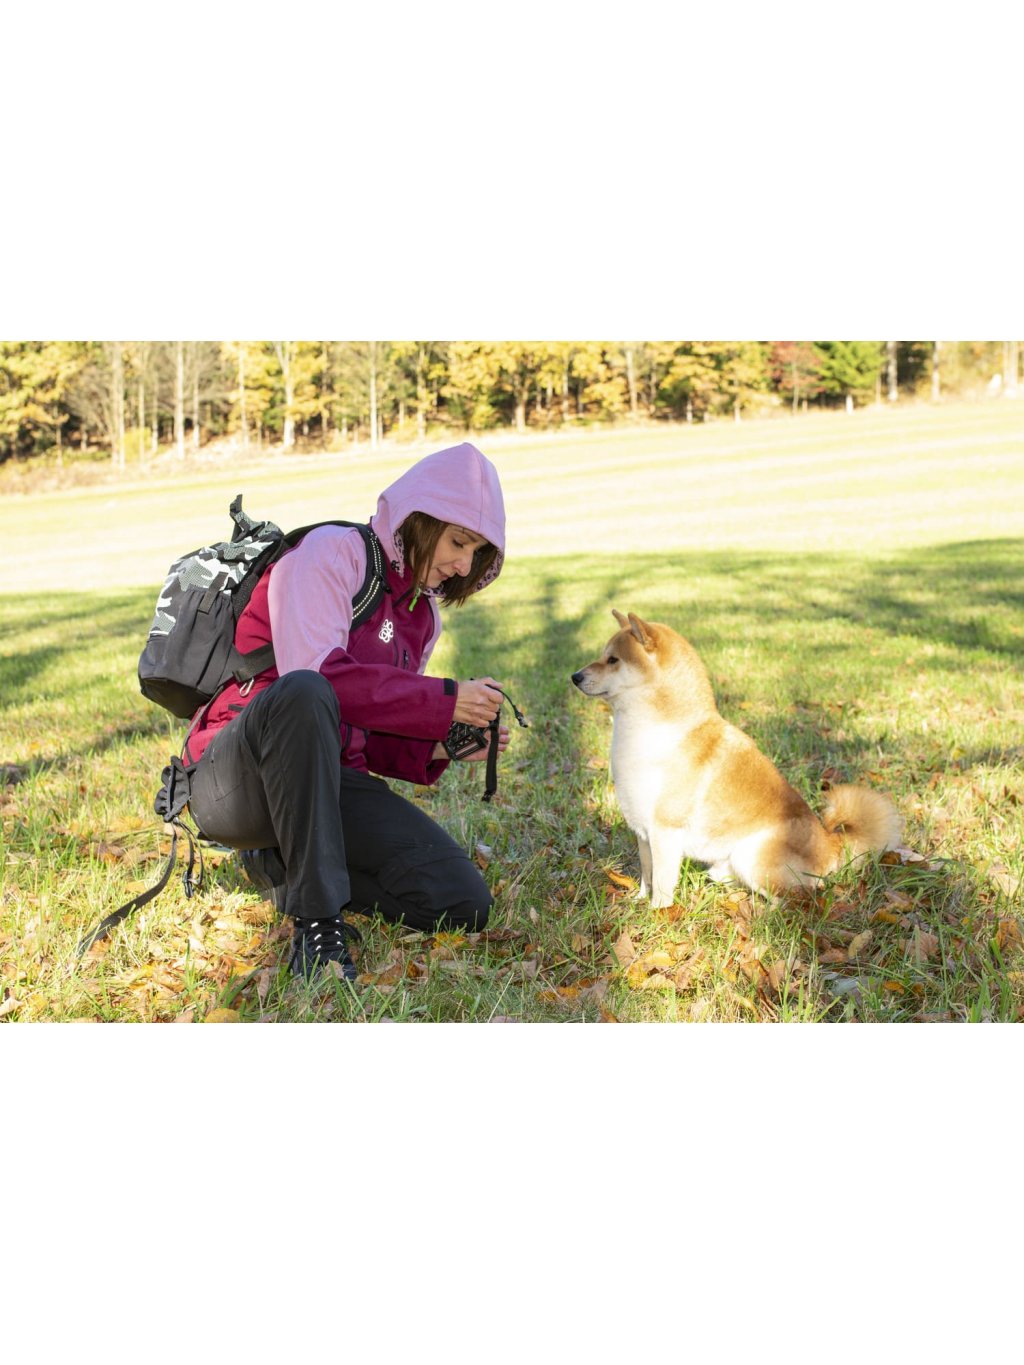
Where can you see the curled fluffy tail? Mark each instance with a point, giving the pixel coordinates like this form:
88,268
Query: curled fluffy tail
865,820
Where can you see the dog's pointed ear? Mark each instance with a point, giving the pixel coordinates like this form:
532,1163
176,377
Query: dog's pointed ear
641,630
623,623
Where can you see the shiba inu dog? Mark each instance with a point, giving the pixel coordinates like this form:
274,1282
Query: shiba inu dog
691,785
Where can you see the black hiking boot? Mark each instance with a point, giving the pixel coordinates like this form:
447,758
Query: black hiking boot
264,868
315,942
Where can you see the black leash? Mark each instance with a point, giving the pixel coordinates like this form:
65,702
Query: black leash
492,753
171,800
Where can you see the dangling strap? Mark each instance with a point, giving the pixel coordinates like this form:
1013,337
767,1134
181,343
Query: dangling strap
171,800
491,782
491,785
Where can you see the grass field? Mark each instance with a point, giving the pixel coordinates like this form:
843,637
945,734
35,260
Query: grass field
854,585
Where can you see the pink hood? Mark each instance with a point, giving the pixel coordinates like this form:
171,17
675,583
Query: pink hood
457,485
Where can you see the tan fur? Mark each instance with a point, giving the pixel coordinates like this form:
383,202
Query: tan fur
692,785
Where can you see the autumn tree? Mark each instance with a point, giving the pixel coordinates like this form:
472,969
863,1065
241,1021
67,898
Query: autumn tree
34,380
685,376
422,365
849,369
795,370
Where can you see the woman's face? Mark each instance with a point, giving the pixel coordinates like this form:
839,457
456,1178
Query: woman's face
453,555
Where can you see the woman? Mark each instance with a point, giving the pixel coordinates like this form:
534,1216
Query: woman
284,765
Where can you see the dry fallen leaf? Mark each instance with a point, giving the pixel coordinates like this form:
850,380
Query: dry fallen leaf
832,955
620,880
858,944
1007,883
922,946
623,948
777,974
447,945
657,981
223,1016
1008,935
672,913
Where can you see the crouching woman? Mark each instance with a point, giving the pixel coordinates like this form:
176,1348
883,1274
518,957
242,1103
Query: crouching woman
289,769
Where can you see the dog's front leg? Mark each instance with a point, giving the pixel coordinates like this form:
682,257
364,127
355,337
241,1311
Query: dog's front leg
644,848
666,855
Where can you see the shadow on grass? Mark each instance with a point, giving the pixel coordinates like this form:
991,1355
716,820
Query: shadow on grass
72,625
965,596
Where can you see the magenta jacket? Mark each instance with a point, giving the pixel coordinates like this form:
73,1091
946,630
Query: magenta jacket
391,714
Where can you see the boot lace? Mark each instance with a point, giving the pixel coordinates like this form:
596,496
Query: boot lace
327,937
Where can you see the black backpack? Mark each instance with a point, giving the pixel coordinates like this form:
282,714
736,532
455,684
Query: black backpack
190,653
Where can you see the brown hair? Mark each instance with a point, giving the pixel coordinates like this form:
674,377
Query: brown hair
420,534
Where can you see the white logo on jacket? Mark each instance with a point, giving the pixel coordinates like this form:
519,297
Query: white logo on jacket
387,631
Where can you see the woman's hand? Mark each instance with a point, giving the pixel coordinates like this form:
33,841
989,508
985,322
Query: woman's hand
478,702
481,754
441,753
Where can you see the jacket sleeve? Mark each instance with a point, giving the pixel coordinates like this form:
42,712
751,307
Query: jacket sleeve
310,596
407,759
382,697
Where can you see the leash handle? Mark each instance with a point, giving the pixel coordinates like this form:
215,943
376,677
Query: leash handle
144,897
491,783
171,800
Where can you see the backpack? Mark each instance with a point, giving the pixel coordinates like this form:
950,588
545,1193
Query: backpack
190,652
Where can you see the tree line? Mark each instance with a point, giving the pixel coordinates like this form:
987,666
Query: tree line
127,399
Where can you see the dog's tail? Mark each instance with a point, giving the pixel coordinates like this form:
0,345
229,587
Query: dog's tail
864,821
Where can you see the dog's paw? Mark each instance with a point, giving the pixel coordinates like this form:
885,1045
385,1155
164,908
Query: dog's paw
722,872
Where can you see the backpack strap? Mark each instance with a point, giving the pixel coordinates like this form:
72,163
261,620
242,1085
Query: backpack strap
171,800
364,602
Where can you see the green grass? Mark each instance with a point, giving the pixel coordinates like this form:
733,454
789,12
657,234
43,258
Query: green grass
893,659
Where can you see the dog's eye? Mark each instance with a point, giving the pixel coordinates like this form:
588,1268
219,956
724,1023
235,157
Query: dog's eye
611,659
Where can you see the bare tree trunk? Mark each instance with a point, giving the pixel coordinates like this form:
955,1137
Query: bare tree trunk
565,393
117,406
326,389
243,415
421,396
796,399
689,408
736,409
154,445
373,395
289,396
284,356
142,417
936,382
1011,368
890,351
179,400
634,410
195,401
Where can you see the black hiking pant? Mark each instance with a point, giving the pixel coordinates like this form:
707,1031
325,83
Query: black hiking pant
273,778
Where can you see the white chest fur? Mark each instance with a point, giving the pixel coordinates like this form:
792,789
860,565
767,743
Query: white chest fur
643,749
